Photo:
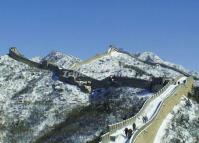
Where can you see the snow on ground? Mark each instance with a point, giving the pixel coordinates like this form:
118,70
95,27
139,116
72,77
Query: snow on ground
31,102
181,125
197,83
124,99
113,64
153,105
161,130
145,93
165,123
149,112
151,57
62,60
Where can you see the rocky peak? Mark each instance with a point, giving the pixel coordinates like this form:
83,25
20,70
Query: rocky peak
149,57
61,59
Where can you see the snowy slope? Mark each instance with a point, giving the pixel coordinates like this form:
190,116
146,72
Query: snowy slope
181,125
124,102
151,57
113,64
62,60
33,103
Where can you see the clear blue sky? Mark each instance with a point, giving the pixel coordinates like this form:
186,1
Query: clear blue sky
169,28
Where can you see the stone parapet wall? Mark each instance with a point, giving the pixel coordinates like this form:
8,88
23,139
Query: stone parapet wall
75,78
113,128
148,132
22,59
77,65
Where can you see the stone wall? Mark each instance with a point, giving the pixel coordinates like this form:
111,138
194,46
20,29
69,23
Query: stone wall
84,82
14,53
155,64
148,132
113,128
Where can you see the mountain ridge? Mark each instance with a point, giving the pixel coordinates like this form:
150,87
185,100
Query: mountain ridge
33,101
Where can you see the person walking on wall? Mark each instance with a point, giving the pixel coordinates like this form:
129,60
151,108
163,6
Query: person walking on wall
143,119
130,132
126,131
134,126
146,118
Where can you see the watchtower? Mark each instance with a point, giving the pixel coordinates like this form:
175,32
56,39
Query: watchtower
13,50
113,48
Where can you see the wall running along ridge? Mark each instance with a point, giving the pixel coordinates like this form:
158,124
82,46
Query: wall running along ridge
148,133
85,83
77,65
113,128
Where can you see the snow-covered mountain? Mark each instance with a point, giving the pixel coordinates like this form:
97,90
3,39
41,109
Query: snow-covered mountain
119,63
151,57
61,59
31,102
36,107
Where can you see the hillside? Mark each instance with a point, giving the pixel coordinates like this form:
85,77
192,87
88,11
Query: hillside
36,107
181,125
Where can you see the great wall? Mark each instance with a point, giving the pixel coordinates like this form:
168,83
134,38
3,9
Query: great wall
45,65
141,135
149,131
155,64
113,128
86,83
113,48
